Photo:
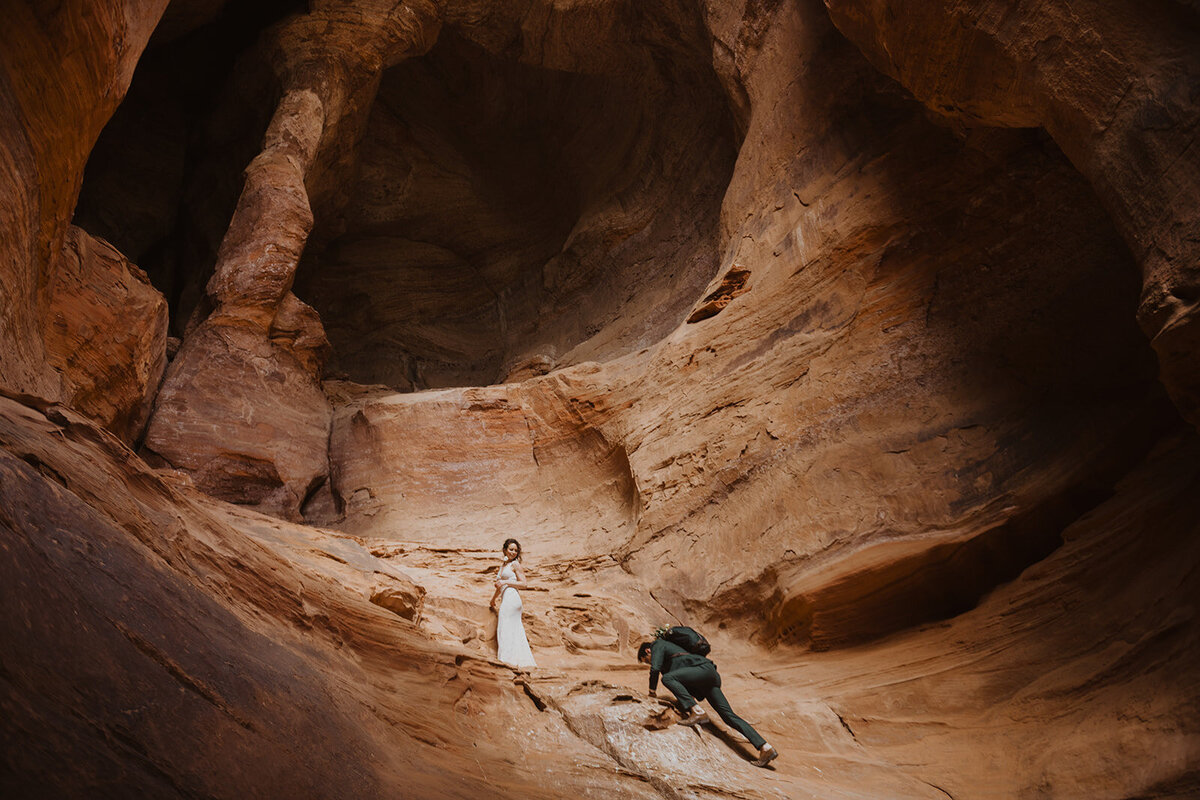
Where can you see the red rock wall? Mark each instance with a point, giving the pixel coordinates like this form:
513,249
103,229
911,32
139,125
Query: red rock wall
908,367
106,335
915,458
1113,83
52,112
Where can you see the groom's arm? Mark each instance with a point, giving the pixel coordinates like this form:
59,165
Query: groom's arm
658,654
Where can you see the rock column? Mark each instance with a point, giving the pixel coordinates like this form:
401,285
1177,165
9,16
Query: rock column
242,407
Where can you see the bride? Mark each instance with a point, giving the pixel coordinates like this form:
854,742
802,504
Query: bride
512,647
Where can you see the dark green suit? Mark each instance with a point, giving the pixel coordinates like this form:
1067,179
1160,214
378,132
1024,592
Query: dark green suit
691,678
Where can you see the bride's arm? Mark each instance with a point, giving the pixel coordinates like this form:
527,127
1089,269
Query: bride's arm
519,583
499,584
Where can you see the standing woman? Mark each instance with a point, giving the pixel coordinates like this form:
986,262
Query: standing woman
512,646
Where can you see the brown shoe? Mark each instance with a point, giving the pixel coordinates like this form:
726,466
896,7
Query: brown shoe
765,756
695,718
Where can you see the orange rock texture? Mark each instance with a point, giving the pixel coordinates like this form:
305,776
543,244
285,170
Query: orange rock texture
860,335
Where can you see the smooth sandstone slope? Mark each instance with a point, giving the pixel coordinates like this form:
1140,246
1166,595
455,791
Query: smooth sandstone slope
906,457
159,644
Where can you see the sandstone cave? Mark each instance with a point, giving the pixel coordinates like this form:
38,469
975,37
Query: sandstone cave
858,334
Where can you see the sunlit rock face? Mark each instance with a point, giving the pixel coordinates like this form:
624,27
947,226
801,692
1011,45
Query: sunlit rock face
400,462
855,334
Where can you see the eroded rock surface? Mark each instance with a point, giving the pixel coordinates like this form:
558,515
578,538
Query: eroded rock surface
858,334
106,334
52,110
592,183
295,682
535,468
1115,84
242,415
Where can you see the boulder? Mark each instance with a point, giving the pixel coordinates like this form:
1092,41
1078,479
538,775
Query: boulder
245,418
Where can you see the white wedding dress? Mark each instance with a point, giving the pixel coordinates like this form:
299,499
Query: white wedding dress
512,646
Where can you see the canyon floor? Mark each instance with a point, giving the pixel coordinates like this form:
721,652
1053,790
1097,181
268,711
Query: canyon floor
311,641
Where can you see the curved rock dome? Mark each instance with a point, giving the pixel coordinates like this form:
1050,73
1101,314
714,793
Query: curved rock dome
506,218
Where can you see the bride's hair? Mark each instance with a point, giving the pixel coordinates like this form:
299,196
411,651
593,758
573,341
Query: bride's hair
507,542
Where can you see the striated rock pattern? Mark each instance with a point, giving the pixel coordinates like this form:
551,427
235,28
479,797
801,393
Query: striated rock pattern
240,414
859,334
52,110
315,119
536,469
294,681
1115,85
106,334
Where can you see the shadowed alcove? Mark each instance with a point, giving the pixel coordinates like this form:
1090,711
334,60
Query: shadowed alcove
508,219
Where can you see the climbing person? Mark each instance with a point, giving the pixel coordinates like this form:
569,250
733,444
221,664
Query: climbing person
692,677
512,646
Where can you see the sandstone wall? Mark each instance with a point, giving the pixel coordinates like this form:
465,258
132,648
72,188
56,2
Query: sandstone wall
1113,83
858,334
52,111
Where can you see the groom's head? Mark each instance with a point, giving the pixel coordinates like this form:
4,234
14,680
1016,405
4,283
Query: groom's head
644,652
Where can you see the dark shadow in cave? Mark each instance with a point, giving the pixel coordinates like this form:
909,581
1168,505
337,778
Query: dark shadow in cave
164,176
509,219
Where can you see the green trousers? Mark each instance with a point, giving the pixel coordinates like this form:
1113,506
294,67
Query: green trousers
703,682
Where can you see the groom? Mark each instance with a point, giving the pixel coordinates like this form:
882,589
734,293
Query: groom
690,678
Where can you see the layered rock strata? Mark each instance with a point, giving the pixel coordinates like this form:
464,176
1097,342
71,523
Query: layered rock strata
294,681
1115,85
106,334
265,442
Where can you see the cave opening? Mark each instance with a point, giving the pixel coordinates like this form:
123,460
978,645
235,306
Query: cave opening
507,218
506,212
165,173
